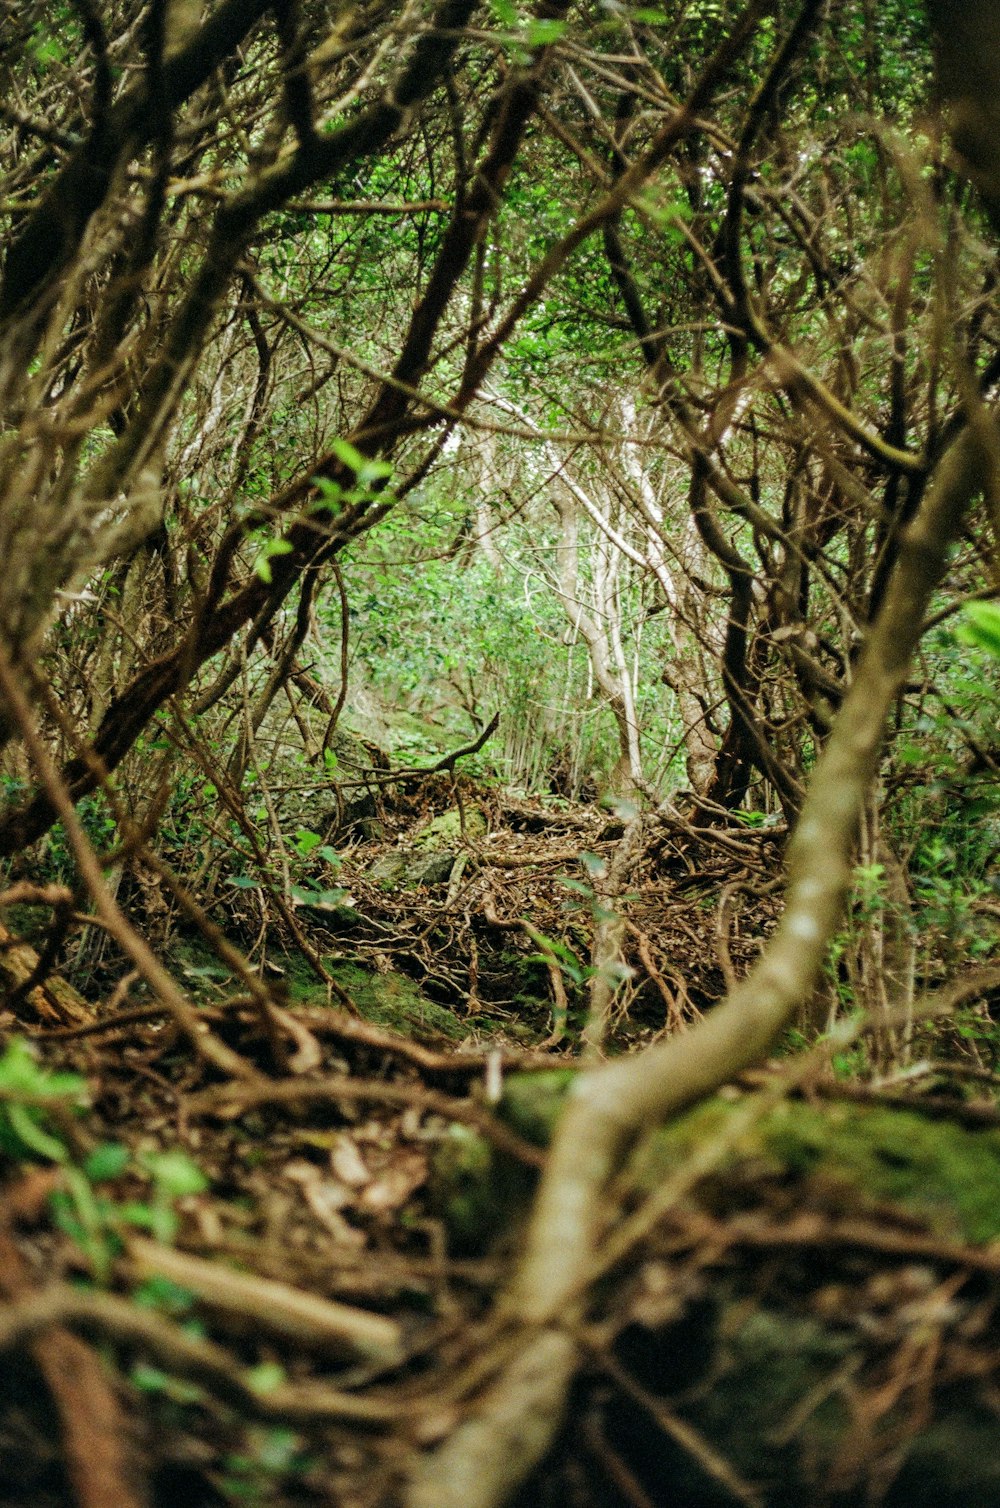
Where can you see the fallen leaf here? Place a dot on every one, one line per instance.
(393, 1187)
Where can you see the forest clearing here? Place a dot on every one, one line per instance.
(499, 804)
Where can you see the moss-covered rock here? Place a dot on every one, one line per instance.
(430, 853)
(389, 999)
(450, 829)
(532, 1102)
(835, 1374)
(859, 1157)
(795, 1405)
(475, 1191)
(392, 1000)
(835, 1156)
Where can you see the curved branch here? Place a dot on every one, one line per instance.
(793, 376)
(57, 225)
(612, 1106)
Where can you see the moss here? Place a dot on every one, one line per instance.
(446, 831)
(479, 1193)
(852, 1158)
(201, 972)
(944, 1173)
(391, 1000)
(768, 1363)
(785, 1384)
(532, 1102)
(428, 856)
(29, 924)
(467, 1190)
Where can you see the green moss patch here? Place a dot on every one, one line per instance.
(391, 1000)
(447, 830)
(844, 1158)
(945, 1174)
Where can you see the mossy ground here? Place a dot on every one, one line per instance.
(861, 1156)
(391, 999)
(843, 1158)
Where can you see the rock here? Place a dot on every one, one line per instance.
(430, 854)
(813, 1328)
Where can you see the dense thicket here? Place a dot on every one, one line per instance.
(626, 373)
(687, 302)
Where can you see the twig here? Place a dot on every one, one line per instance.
(205, 1043)
(345, 629)
(112, 1023)
(675, 1016)
(821, 1232)
(414, 772)
(715, 1466)
(93, 1429)
(203, 1362)
(937, 1106)
(346, 1028)
(302, 1319)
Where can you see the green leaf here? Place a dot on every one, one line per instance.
(617, 972)
(336, 896)
(174, 1173)
(624, 809)
(24, 1125)
(152, 1380)
(981, 626)
(348, 456)
(138, 1213)
(107, 1161)
(163, 1223)
(48, 50)
(20, 1072)
(158, 1292)
(149, 1379)
(374, 471)
(312, 895)
(266, 1377)
(65, 1218)
(89, 1220)
(331, 495)
(544, 32)
(272, 547)
(556, 952)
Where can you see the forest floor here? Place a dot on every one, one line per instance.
(291, 1269)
